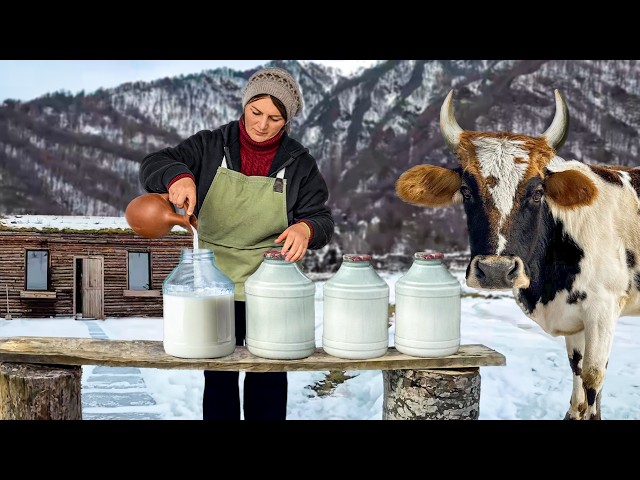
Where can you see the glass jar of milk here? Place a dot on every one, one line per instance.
(198, 308)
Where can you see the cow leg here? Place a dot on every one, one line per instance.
(575, 350)
(598, 340)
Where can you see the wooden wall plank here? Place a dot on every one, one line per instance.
(63, 247)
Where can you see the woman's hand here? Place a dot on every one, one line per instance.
(296, 241)
(183, 194)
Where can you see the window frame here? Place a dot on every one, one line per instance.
(26, 270)
(149, 271)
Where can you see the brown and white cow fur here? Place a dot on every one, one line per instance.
(564, 236)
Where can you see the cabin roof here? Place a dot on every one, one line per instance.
(69, 223)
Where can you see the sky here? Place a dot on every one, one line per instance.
(27, 79)
(535, 383)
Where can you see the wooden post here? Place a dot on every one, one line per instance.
(8, 315)
(40, 392)
(452, 394)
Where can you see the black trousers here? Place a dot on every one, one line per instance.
(265, 394)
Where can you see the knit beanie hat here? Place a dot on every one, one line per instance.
(279, 83)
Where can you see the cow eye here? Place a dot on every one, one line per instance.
(465, 192)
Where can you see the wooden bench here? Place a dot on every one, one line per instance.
(40, 377)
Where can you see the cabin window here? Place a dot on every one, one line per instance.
(139, 271)
(37, 269)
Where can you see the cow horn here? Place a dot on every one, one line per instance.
(448, 125)
(557, 132)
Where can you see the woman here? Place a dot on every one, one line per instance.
(251, 187)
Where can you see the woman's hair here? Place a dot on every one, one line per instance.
(276, 101)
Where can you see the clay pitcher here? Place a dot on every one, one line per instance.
(152, 215)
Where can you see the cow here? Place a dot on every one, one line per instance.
(562, 235)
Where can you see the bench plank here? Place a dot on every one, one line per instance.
(151, 354)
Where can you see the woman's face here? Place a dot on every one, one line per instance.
(262, 119)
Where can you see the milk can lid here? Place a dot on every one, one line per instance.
(355, 257)
(428, 255)
(273, 255)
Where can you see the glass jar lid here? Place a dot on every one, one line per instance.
(356, 257)
(428, 255)
(273, 255)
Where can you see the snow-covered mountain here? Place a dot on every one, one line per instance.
(79, 154)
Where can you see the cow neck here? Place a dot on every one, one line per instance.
(553, 265)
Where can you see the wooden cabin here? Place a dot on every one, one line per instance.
(83, 267)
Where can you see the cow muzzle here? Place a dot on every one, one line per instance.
(495, 272)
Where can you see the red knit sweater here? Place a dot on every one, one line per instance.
(256, 157)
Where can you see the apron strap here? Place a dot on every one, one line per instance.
(278, 184)
(224, 157)
(224, 165)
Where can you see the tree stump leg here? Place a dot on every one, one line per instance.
(431, 394)
(40, 392)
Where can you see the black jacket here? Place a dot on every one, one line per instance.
(202, 153)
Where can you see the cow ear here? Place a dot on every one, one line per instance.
(428, 186)
(570, 189)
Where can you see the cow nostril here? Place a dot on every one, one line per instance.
(480, 275)
(513, 273)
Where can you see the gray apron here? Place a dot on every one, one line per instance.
(240, 218)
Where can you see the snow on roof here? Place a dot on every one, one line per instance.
(69, 222)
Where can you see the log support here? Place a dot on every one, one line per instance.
(431, 394)
(40, 392)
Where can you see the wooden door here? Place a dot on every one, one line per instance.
(92, 288)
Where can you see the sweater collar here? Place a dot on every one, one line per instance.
(247, 142)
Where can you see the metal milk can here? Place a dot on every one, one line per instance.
(280, 307)
(356, 311)
(427, 319)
